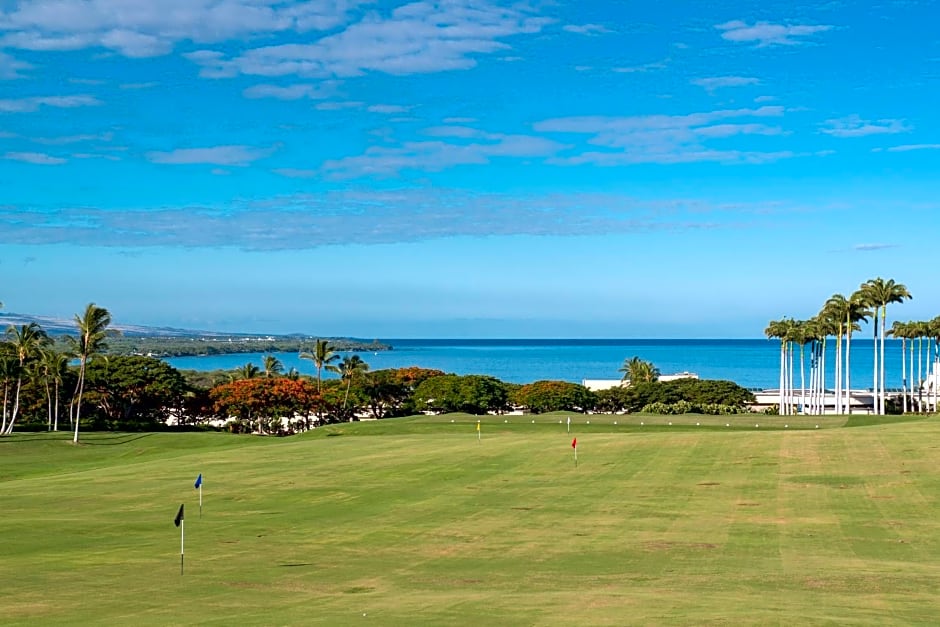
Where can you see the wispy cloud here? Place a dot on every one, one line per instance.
(666, 138)
(74, 139)
(142, 28)
(716, 82)
(388, 108)
(37, 158)
(10, 67)
(855, 126)
(364, 217)
(296, 173)
(435, 156)
(214, 155)
(873, 247)
(586, 29)
(420, 37)
(910, 147)
(297, 91)
(769, 34)
(29, 105)
(646, 67)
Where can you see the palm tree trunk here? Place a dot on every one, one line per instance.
(783, 374)
(55, 426)
(874, 390)
(837, 374)
(48, 407)
(920, 373)
(790, 380)
(802, 380)
(78, 398)
(848, 369)
(16, 406)
(904, 375)
(884, 392)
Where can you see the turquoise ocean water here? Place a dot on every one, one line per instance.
(751, 363)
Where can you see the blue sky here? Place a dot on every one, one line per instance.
(466, 168)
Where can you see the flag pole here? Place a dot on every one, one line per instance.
(569, 424)
(574, 445)
(200, 500)
(180, 522)
(479, 435)
(182, 543)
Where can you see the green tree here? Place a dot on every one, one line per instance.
(878, 294)
(247, 371)
(474, 394)
(636, 370)
(132, 392)
(351, 367)
(322, 357)
(26, 341)
(53, 368)
(545, 396)
(272, 366)
(91, 341)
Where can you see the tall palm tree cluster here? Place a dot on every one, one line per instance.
(28, 352)
(839, 318)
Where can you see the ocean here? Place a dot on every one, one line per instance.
(750, 363)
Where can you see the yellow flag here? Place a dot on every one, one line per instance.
(478, 426)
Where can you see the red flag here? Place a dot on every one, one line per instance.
(574, 443)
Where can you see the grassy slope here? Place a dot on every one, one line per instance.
(694, 525)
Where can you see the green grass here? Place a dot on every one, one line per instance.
(421, 523)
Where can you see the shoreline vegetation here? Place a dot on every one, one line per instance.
(162, 347)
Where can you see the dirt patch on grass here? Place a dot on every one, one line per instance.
(707, 483)
(748, 504)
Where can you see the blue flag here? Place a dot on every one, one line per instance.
(198, 481)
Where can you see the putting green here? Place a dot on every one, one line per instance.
(415, 521)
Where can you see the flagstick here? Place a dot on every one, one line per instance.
(479, 435)
(182, 537)
(576, 457)
(200, 500)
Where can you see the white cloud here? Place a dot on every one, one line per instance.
(667, 138)
(435, 156)
(646, 67)
(871, 247)
(855, 126)
(910, 147)
(387, 108)
(73, 139)
(214, 155)
(716, 82)
(296, 173)
(28, 105)
(296, 91)
(10, 68)
(144, 28)
(37, 158)
(768, 33)
(420, 37)
(339, 105)
(586, 29)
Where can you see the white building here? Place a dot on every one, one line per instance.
(596, 385)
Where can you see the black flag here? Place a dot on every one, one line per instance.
(179, 517)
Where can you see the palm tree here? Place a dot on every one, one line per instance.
(637, 370)
(9, 371)
(351, 366)
(322, 357)
(248, 371)
(53, 367)
(272, 366)
(780, 329)
(903, 331)
(26, 342)
(879, 294)
(91, 341)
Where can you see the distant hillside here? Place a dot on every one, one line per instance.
(59, 326)
(172, 342)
